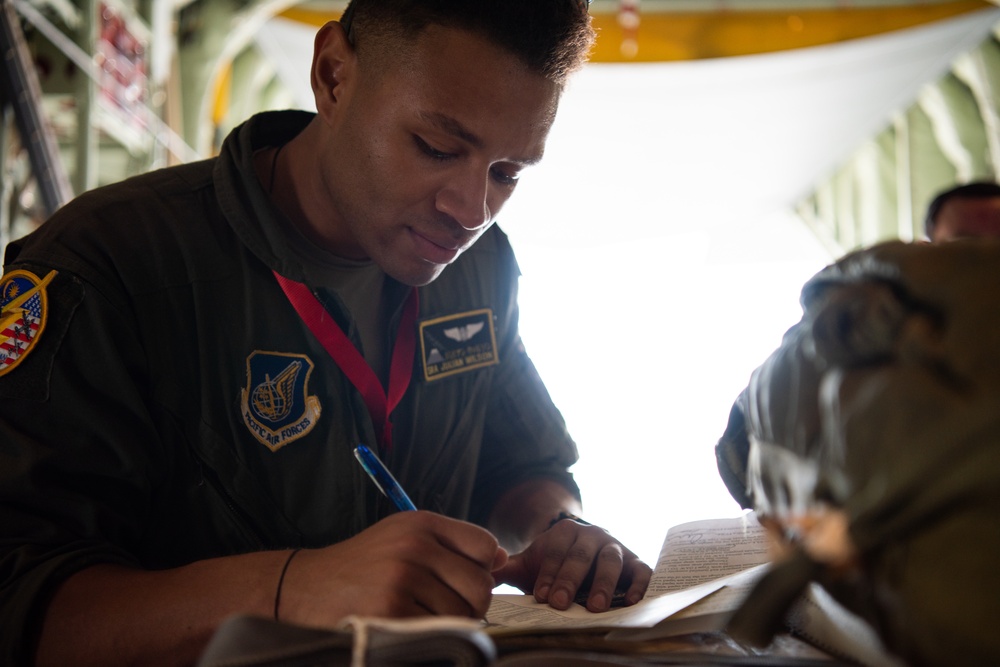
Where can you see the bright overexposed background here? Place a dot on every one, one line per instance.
(661, 259)
(644, 346)
(651, 288)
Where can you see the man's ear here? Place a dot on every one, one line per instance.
(333, 61)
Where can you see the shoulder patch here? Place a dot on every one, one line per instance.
(458, 343)
(23, 313)
(276, 404)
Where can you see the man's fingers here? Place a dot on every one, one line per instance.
(575, 559)
(440, 598)
(552, 550)
(641, 575)
(570, 558)
(460, 557)
(500, 560)
(411, 563)
(475, 543)
(607, 572)
(473, 584)
(594, 563)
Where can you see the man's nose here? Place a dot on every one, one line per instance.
(465, 199)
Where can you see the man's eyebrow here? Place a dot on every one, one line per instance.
(452, 126)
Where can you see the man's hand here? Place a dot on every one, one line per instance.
(569, 557)
(409, 564)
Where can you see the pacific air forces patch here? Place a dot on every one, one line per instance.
(276, 404)
(23, 313)
(458, 343)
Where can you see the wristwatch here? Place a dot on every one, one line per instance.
(563, 514)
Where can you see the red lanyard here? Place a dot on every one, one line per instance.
(339, 346)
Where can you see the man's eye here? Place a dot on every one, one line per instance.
(504, 177)
(430, 151)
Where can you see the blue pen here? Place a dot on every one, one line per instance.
(383, 479)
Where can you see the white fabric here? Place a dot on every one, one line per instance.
(723, 138)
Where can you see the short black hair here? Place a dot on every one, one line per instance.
(552, 37)
(975, 190)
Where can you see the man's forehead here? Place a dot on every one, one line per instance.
(964, 206)
(476, 91)
(962, 217)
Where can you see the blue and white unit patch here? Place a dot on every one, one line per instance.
(275, 403)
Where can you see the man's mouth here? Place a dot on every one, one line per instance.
(436, 250)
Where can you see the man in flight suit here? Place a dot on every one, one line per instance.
(190, 357)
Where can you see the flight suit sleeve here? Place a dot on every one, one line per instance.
(77, 452)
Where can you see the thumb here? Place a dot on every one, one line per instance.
(514, 572)
(500, 559)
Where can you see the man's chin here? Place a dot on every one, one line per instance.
(419, 276)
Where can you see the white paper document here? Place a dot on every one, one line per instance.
(714, 561)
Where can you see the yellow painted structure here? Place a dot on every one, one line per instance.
(693, 35)
(719, 34)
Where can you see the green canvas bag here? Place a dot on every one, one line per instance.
(881, 407)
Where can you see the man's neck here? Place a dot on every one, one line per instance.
(290, 176)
